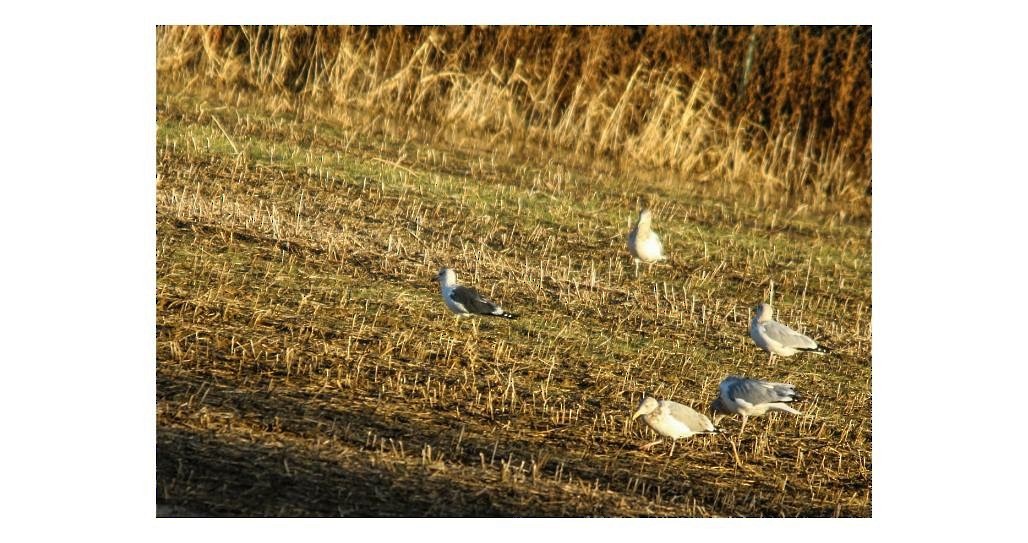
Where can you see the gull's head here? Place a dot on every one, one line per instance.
(763, 312)
(718, 408)
(647, 406)
(446, 277)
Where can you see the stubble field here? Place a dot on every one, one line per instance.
(307, 367)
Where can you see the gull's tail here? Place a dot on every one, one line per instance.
(820, 349)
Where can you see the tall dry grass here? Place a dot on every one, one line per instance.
(780, 107)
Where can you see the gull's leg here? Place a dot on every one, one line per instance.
(650, 445)
(637, 267)
(743, 424)
(673, 442)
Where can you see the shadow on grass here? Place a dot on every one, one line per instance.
(203, 472)
(208, 476)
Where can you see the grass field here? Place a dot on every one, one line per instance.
(307, 367)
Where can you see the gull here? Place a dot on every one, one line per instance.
(672, 419)
(752, 398)
(643, 243)
(465, 301)
(777, 338)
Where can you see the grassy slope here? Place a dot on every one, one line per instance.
(305, 365)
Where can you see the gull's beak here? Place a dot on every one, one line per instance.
(636, 415)
(435, 278)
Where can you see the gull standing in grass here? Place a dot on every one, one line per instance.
(465, 301)
(672, 419)
(777, 338)
(752, 398)
(643, 243)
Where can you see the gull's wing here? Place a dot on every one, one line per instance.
(473, 301)
(787, 336)
(697, 422)
(756, 392)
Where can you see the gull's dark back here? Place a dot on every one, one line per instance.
(475, 303)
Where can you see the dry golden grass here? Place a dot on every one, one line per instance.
(306, 366)
(783, 108)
